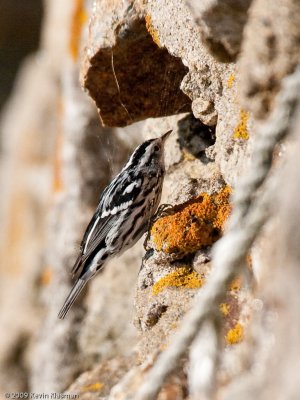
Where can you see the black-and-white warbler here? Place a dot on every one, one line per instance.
(125, 210)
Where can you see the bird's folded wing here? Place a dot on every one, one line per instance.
(117, 197)
(95, 234)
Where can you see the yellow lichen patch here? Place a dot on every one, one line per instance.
(224, 308)
(193, 225)
(93, 387)
(174, 326)
(79, 19)
(153, 32)
(182, 277)
(46, 276)
(241, 130)
(236, 284)
(235, 335)
(230, 81)
(187, 155)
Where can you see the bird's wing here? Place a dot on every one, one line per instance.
(116, 197)
(94, 235)
(121, 193)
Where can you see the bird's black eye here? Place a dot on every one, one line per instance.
(156, 148)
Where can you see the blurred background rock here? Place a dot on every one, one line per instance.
(49, 124)
(20, 27)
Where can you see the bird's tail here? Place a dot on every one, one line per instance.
(76, 289)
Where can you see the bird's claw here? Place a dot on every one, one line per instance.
(162, 211)
(145, 244)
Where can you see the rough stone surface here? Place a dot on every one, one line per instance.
(199, 68)
(221, 24)
(273, 334)
(99, 381)
(179, 33)
(106, 330)
(174, 388)
(273, 56)
(149, 71)
(211, 84)
(75, 198)
(285, 360)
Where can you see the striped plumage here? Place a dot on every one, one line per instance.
(125, 209)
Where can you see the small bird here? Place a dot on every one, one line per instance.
(125, 210)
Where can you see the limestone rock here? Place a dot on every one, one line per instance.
(207, 70)
(221, 24)
(174, 388)
(26, 181)
(126, 70)
(100, 380)
(265, 62)
(211, 84)
(107, 330)
(179, 33)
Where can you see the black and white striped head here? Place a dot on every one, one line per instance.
(149, 154)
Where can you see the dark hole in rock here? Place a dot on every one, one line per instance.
(155, 312)
(195, 137)
(215, 232)
(186, 260)
(149, 253)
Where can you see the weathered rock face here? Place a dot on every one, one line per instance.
(274, 55)
(16, 44)
(200, 70)
(26, 181)
(284, 249)
(121, 58)
(221, 24)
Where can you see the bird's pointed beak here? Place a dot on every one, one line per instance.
(166, 135)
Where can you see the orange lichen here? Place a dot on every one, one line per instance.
(235, 335)
(79, 19)
(46, 276)
(241, 131)
(93, 387)
(193, 225)
(230, 81)
(223, 208)
(183, 277)
(153, 32)
(224, 308)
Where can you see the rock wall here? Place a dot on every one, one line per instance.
(109, 75)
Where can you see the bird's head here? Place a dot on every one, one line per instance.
(150, 153)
